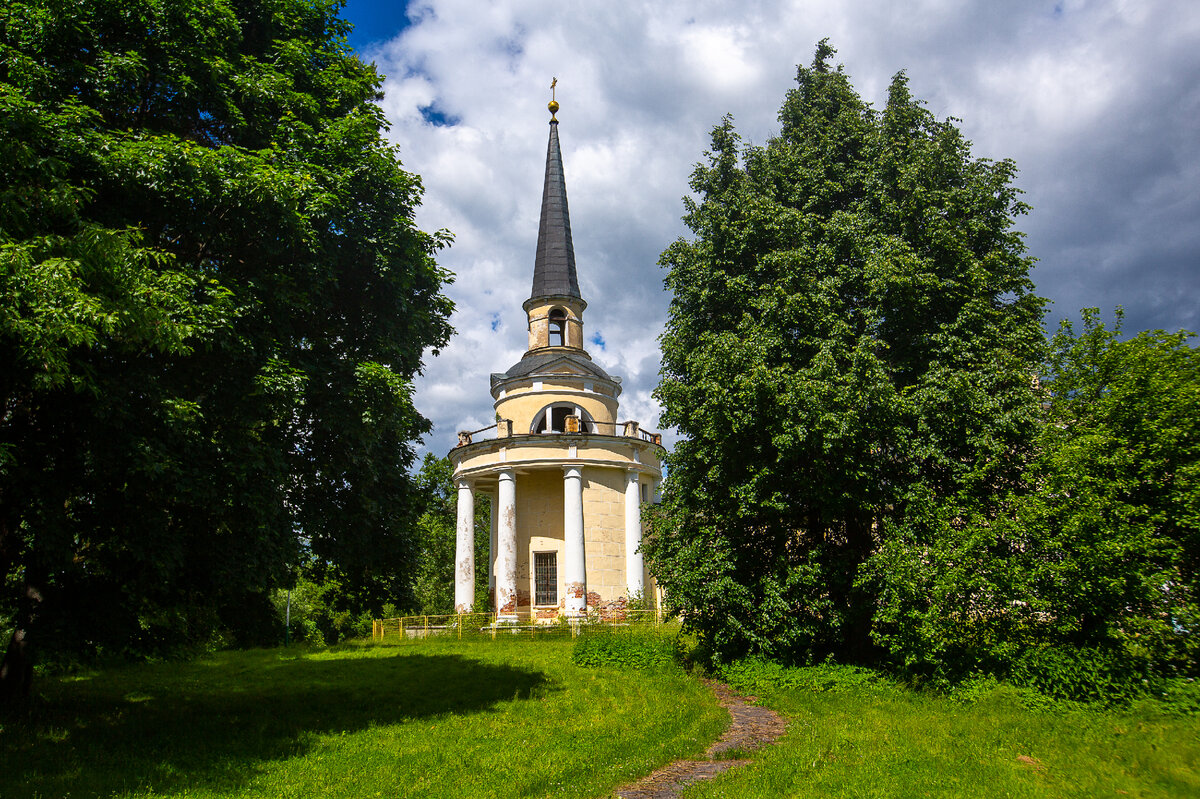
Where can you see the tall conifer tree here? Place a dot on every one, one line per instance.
(848, 360)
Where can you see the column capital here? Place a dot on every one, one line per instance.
(573, 471)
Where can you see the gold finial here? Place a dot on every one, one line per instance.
(553, 105)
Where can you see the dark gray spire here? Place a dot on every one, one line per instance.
(554, 264)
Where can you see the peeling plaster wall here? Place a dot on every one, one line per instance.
(521, 408)
(540, 529)
(554, 446)
(539, 503)
(539, 321)
(545, 543)
(565, 380)
(539, 522)
(604, 531)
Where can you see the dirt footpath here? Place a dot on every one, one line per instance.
(751, 727)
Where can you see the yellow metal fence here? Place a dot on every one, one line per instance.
(463, 625)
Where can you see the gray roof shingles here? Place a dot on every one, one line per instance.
(539, 363)
(554, 265)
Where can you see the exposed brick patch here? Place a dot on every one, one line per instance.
(751, 727)
(616, 610)
(593, 599)
(523, 598)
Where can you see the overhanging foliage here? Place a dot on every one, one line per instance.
(213, 300)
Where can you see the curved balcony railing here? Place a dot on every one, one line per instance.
(574, 427)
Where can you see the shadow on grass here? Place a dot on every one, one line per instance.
(210, 724)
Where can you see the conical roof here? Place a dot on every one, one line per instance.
(554, 265)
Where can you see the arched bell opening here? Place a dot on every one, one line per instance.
(553, 419)
(558, 328)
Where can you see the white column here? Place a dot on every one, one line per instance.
(634, 565)
(506, 540)
(575, 568)
(464, 550)
(494, 517)
(656, 498)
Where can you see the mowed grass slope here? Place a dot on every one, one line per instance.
(889, 742)
(486, 718)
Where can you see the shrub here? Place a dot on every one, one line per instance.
(315, 616)
(754, 675)
(1179, 696)
(643, 650)
(1084, 674)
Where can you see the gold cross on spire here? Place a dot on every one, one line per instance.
(553, 105)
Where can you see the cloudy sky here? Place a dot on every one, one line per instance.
(1097, 102)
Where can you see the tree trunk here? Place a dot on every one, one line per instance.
(16, 671)
(856, 640)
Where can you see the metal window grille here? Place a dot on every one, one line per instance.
(545, 578)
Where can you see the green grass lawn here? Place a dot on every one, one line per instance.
(439, 718)
(514, 717)
(894, 743)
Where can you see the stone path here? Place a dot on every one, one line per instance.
(751, 727)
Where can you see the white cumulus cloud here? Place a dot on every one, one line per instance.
(1097, 101)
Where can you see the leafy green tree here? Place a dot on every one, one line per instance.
(316, 615)
(1114, 530)
(1088, 565)
(433, 579)
(848, 358)
(212, 298)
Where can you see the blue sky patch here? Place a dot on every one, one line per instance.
(437, 117)
(375, 21)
